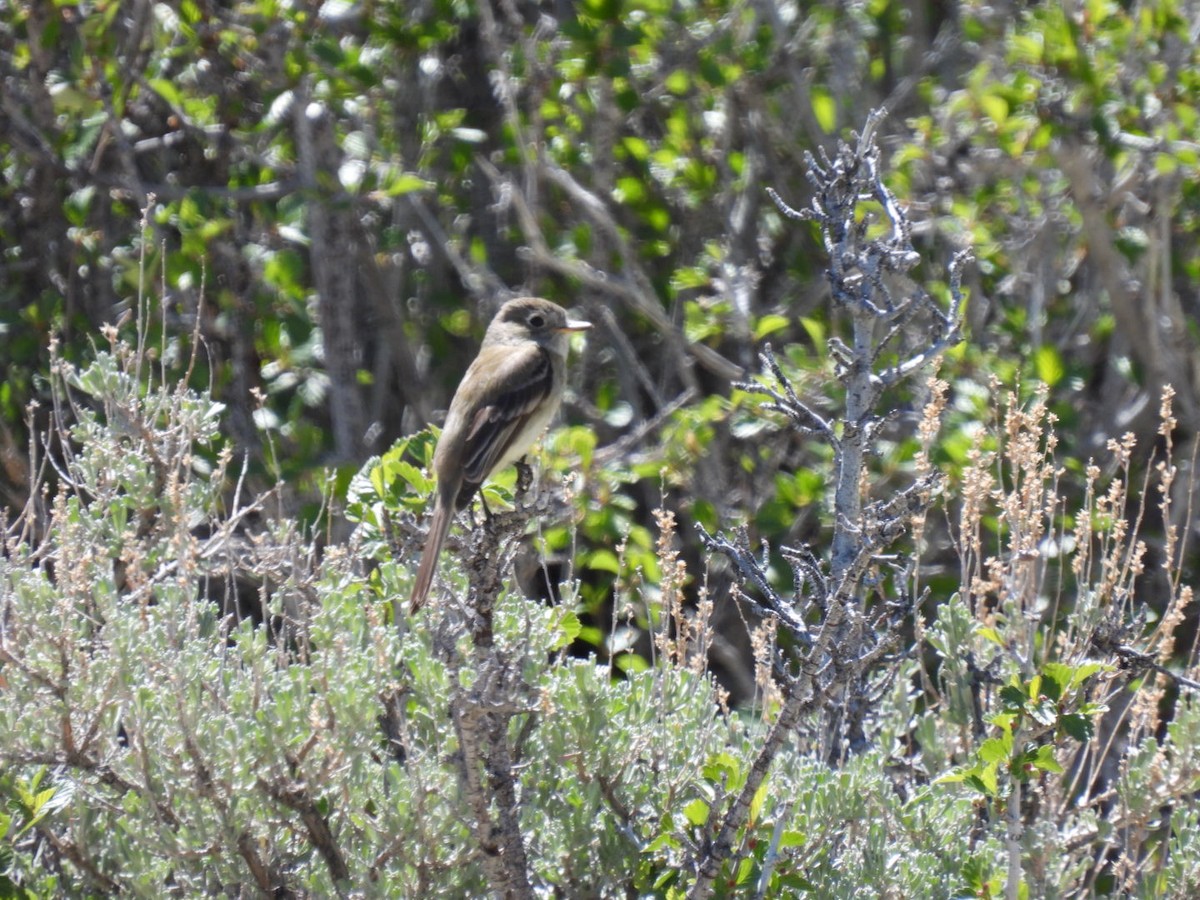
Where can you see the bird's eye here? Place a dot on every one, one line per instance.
(536, 321)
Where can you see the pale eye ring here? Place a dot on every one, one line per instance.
(536, 320)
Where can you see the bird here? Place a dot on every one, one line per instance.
(504, 402)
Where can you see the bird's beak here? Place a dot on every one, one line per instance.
(576, 325)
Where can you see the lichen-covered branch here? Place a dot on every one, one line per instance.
(840, 660)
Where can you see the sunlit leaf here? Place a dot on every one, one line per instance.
(824, 108)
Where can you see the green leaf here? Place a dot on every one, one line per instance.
(1082, 673)
(678, 82)
(1133, 242)
(1044, 759)
(1056, 680)
(629, 190)
(824, 108)
(167, 90)
(991, 634)
(1044, 712)
(696, 812)
(745, 870)
(1004, 720)
(604, 560)
(327, 51)
(984, 780)
(723, 767)
(1049, 365)
(39, 800)
(1081, 728)
(191, 12)
(994, 107)
(1014, 697)
(955, 776)
(630, 663)
(815, 330)
(769, 324)
(636, 147)
(665, 841)
(413, 477)
(756, 803)
(687, 277)
(406, 183)
(568, 627)
(996, 750)
(604, 10)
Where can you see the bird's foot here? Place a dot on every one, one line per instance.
(524, 477)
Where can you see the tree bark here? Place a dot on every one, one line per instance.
(332, 255)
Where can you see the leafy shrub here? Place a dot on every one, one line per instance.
(198, 699)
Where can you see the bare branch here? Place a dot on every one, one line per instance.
(841, 657)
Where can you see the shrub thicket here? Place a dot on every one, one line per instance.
(198, 699)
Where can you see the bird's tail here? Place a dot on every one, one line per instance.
(443, 513)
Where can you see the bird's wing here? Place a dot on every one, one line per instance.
(522, 379)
